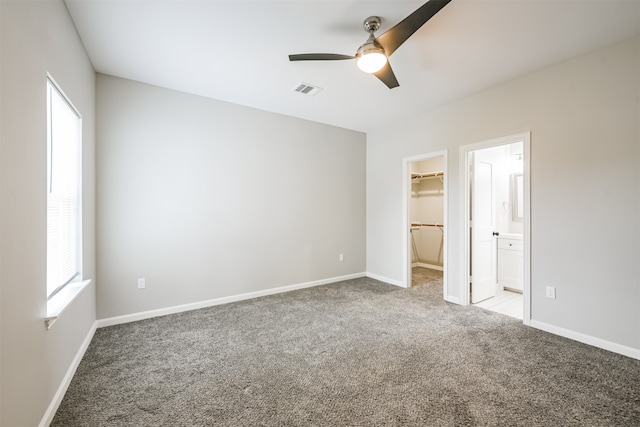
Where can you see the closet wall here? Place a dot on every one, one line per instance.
(427, 213)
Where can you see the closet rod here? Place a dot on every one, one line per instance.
(418, 224)
(418, 175)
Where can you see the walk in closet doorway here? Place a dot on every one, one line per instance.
(425, 201)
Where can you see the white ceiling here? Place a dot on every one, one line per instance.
(236, 50)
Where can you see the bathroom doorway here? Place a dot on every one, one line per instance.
(425, 198)
(496, 206)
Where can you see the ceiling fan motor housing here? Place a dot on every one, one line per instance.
(370, 46)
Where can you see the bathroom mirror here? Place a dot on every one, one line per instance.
(517, 196)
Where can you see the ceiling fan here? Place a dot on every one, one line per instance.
(372, 56)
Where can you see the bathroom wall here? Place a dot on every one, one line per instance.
(505, 164)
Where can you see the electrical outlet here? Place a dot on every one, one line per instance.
(341, 257)
(551, 292)
(141, 283)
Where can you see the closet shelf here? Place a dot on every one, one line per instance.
(427, 175)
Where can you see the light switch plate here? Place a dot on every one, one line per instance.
(551, 292)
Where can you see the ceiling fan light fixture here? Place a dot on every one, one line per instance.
(371, 57)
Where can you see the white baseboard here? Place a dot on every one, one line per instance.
(385, 279)
(587, 339)
(453, 300)
(110, 321)
(430, 266)
(64, 385)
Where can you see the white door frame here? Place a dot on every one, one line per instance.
(464, 193)
(406, 220)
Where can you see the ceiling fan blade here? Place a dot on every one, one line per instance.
(387, 77)
(319, 57)
(394, 37)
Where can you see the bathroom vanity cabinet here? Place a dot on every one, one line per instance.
(510, 262)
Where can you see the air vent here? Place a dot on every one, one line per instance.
(307, 89)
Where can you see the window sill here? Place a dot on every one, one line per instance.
(57, 304)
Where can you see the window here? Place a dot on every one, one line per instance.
(64, 185)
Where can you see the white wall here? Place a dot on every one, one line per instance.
(207, 199)
(583, 115)
(38, 37)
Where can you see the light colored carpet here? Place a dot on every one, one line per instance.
(355, 353)
(425, 276)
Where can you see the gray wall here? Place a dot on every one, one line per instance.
(207, 199)
(584, 120)
(38, 37)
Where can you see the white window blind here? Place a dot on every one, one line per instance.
(64, 213)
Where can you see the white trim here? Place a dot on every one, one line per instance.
(587, 339)
(57, 304)
(425, 265)
(386, 279)
(55, 84)
(110, 321)
(526, 291)
(406, 221)
(66, 381)
(464, 203)
(453, 300)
